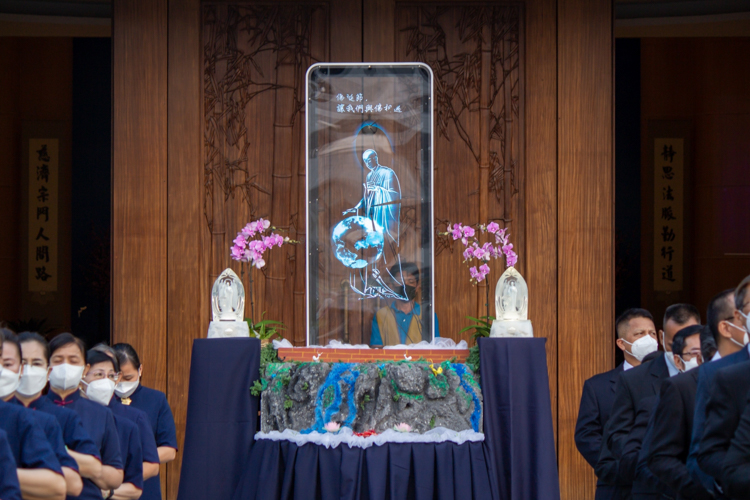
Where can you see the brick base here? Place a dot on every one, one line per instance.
(370, 355)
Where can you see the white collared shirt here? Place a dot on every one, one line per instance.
(626, 366)
(717, 356)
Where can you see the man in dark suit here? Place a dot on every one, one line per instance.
(724, 321)
(666, 446)
(723, 411)
(736, 475)
(639, 383)
(599, 390)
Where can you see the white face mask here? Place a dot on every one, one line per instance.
(100, 391)
(125, 389)
(8, 382)
(689, 365)
(745, 338)
(642, 347)
(65, 377)
(33, 380)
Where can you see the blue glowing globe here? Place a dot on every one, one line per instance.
(357, 241)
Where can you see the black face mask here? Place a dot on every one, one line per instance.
(409, 291)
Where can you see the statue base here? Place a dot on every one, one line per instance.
(509, 328)
(228, 329)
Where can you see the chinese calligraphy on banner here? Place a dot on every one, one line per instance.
(43, 205)
(668, 214)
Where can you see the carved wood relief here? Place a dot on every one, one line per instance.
(476, 54)
(254, 61)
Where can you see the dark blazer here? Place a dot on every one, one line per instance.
(667, 451)
(646, 486)
(632, 386)
(706, 374)
(593, 413)
(736, 477)
(723, 411)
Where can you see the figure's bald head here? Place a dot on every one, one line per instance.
(370, 157)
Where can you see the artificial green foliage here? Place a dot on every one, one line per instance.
(481, 327)
(328, 397)
(258, 387)
(432, 422)
(288, 403)
(305, 386)
(266, 328)
(267, 356)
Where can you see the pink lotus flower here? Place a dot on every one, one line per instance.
(493, 227)
(332, 427)
(402, 427)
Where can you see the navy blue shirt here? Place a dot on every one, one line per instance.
(75, 436)
(132, 453)
(26, 439)
(154, 404)
(139, 418)
(53, 433)
(100, 425)
(9, 487)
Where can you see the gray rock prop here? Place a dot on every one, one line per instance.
(373, 396)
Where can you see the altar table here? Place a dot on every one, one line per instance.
(221, 461)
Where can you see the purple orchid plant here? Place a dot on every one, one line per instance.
(478, 255)
(247, 248)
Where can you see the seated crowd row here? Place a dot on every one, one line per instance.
(96, 432)
(673, 424)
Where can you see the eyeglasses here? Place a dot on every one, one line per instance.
(98, 374)
(687, 356)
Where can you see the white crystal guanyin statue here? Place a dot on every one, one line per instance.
(228, 306)
(511, 306)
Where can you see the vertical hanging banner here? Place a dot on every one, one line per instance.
(669, 201)
(44, 162)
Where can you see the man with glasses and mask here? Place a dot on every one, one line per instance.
(636, 338)
(667, 442)
(401, 321)
(727, 397)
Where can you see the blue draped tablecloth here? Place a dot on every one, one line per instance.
(516, 461)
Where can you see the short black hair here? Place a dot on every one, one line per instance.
(406, 268)
(740, 292)
(95, 356)
(109, 351)
(719, 309)
(25, 337)
(11, 338)
(127, 353)
(681, 314)
(680, 338)
(708, 343)
(65, 339)
(635, 312)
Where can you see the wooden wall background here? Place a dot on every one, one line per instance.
(208, 132)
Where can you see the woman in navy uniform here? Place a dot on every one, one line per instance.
(9, 488)
(67, 358)
(38, 470)
(35, 358)
(138, 417)
(154, 403)
(11, 359)
(100, 380)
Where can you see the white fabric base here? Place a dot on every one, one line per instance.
(346, 436)
(506, 328)
(228, 329)
(438, 343)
